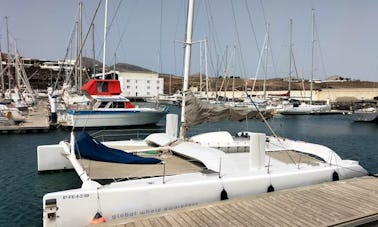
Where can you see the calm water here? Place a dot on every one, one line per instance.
(22, 188)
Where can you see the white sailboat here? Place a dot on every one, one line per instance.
(204, 168)
(300, 108)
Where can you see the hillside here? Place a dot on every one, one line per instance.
(271, 84)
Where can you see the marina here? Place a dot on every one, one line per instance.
(217, 148)
(352, 140)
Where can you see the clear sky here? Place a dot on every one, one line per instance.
(144, 33)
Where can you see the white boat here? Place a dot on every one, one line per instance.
(204, 168)
(369, 114)
(295, 107)
(302, 109)
(174, 99)
(106, 108)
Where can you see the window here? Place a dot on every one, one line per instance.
(157, 87)
(158, 82)
(102, 105)
(148, 87)
(148, 81)
(102, 87)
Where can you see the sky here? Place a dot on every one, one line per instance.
(149, 33)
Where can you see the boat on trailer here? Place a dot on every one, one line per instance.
(203, 168)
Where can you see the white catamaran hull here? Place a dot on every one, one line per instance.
(239, 174)
(129, 199)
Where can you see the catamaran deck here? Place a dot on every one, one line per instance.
(343, 203)
(173, 164)
(106, 170)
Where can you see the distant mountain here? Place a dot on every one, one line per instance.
(122, 67)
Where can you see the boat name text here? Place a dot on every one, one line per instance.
(76, 196)
(150, 211)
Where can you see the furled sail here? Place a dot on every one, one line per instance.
(198, 111)
(90, 148)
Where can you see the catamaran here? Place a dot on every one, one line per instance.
(183, 171)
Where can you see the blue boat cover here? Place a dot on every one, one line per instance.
(90, 148)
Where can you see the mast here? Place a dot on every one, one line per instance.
(2, 74)
(188, 46)
(104, 49)
(312, 53)
(290, 52)
(80, 80)
(207, 77)
(200, 72)
(8, 56)
(93, 49)
(266, 60)
(77, 57)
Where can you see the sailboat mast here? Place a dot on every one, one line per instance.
(104, 49)
(8, 57)
(266, 60)
(290, 52)
(207, 77)
(2, 74)
(312, 53)
(80, 80)
(188, 46)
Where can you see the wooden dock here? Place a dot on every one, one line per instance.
(343, 203)
(36, 121)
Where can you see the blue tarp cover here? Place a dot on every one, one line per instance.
(90, 148)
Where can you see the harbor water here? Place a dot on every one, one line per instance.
(22, 187)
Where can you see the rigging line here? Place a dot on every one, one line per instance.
(296, 72)
(113, 21)
(122, 35)
(272, 58)
(238, 38)
(213, 38)
(262, 117)
(160, 36)
(263, 11)
(64, 60)
(252, 27)
(114, 16)
(320, 49)
(86, 36)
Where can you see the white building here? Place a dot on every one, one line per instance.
(136, 82)
(141, 84)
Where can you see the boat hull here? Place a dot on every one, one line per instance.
(110, 118)
(129, 199)
(366, 116)
(305, 109)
